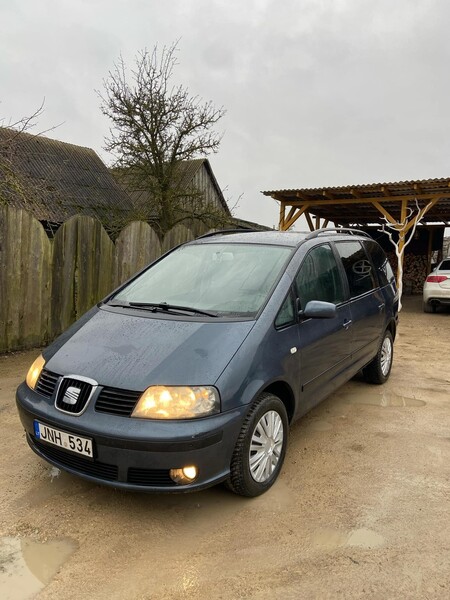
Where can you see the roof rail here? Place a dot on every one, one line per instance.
(226, 231)
(347, 230)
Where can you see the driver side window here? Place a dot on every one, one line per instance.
(319, 277)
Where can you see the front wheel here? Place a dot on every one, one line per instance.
(260, 449)
(379, 369)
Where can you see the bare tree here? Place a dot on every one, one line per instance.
(400, 235)
(11, 182)
(155, 127)
(13, 185)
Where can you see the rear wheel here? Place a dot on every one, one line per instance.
(260, 449)
(379, 369)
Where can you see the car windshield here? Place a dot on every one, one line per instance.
(225, 279)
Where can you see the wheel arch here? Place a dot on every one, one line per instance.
(284, 392)
(392, 328)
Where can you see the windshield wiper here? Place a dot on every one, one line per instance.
(164, 307)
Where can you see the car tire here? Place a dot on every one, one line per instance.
(379, 369)
(260, 448)
(428, 308)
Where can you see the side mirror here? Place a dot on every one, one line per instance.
(316, 309)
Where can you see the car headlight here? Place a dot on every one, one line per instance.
(34, 371)
(177, 402)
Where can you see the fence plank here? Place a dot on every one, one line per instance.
(45, 285)
(63, 276)
(136, 246)
(94, 270)
(25, 284)
(177, 235)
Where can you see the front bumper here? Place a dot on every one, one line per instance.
(135, 454)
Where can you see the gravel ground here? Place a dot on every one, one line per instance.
(361, 509)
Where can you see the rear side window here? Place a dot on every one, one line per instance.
(381, 263)
(319, 277)
(358, 268)
(445, 265)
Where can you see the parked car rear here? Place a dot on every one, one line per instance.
(436, 290)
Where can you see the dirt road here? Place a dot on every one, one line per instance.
(361, 510)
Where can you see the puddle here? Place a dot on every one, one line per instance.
(27, 566)
(319, 426)
(330, 539)
(379, 397)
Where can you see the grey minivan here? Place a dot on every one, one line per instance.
(191, 372)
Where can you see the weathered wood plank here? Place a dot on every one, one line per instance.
(177, 235)
(25, 257)
(136, 246)
(63, 276)
(94, 264)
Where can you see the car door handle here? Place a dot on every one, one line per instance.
(381, 307)
(346, 324)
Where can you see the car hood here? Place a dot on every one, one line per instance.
(132, 352)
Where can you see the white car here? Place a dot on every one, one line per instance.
(436, 290)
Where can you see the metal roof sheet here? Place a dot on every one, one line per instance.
(353, 204)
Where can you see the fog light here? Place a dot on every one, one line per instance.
(184, 475)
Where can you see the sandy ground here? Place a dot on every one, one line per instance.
(361, 509)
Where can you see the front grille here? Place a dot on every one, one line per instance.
(80, 397)
(149, 477)
(47, 383)
(78, 463)
(117, 402)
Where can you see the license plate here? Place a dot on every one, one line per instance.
(62, 439)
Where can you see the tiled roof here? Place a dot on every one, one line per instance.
(61, 179)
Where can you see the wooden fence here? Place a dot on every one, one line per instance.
(45, 285)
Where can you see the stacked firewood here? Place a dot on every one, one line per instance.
(446, 247)
(415, 271)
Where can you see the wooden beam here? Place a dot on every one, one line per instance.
(366, 200)
(309, 220)
(282, 212)
(278, 197)
(290, 213)
(317, 222)
(420, 215)
(289, 222)
(384, 212)
(325, 224)
(303, 197)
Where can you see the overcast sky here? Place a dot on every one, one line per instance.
(317, 92)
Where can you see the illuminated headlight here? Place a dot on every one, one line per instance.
(177, 402)
(34, 371)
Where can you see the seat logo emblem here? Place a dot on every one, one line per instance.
(71, 395)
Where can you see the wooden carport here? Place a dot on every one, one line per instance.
(371, 204)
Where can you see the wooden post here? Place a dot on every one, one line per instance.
(282, 209)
